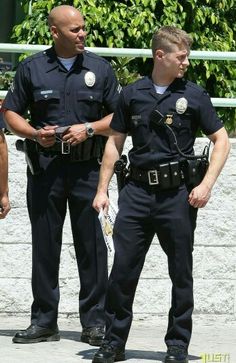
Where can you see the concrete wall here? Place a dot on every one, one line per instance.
(214, 255)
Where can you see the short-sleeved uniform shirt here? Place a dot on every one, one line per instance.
(191, 110)
(53, 95)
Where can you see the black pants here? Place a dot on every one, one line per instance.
(142, 213)
(48, 194)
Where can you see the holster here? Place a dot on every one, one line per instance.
(121, 172)
(29, 148)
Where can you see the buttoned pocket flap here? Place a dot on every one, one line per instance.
(45, 95)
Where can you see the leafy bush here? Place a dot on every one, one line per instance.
(131, 23)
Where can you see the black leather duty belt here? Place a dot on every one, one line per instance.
(150, 177)
(89, 149)
(59, 148)
(167, 176)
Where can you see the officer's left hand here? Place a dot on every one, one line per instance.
(199, 196)
(76, 134)
(4, 206)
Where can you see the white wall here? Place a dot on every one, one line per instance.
(214, 255)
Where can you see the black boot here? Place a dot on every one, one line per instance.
(93, 335)
(176, 354)
(109, 354)
(36, 334)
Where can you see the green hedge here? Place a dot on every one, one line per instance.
(130, 24)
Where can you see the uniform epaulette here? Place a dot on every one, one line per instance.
(30, 58)
(95, 56)
(195, 86)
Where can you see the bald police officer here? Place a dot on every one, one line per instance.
(71, 95)
(162, 113)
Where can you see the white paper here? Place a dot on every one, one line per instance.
(107, 223)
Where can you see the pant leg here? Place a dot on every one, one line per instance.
(90, 248)
(46, 201)
(175, 227)
(132, 237)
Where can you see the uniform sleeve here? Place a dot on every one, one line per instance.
(18, 96)
(2, 124)
(120, 121)
(111, 91)
(208, 119)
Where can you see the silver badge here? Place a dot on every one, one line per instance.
(181, 105)
(89, 79)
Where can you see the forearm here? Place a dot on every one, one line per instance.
(101, 127)
(19, 126)
(3, 166)
(218, 158)
(111, 155)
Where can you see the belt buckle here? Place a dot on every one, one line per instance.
(65, 147)
(153, 177)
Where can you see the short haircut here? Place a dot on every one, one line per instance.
(167, 36)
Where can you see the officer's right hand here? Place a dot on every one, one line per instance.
(101, 201)
(46, 136)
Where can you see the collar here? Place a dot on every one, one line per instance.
(82, 61)
(177, 86)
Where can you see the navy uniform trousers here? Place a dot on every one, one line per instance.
(142, 213)
(47, 197)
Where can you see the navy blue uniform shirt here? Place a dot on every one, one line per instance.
(56, 96)
(150, 148)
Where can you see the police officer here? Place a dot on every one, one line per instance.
(71, 94)
(159, 198)
(4, 199)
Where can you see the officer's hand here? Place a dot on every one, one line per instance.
(46, 136)
(76, 134)
(101, 201)
(4, 206)
(199, 196)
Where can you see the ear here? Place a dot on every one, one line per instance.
(54, 32)
(159, 54)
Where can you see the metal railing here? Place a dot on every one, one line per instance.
(130, 52)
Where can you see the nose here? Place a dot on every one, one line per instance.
(186, 61)
(82, 33)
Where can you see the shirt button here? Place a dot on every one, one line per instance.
(91, 97)
(68, 93)
(45, 96)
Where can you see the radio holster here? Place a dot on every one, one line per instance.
(194, 171)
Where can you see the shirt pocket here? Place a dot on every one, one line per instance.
(89, 105)
(139, 130)
(182, 127)
(46, 105)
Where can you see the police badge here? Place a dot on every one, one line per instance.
(181, 105)
(89, 79)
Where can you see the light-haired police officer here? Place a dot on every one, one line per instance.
(163, 193)
(71, 95)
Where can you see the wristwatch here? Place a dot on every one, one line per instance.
(89, 129)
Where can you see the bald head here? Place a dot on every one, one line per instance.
(60, 15)
(68, 30)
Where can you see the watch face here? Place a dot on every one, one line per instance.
(90, 131)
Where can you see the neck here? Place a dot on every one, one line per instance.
(161, 79)
(63, 53)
